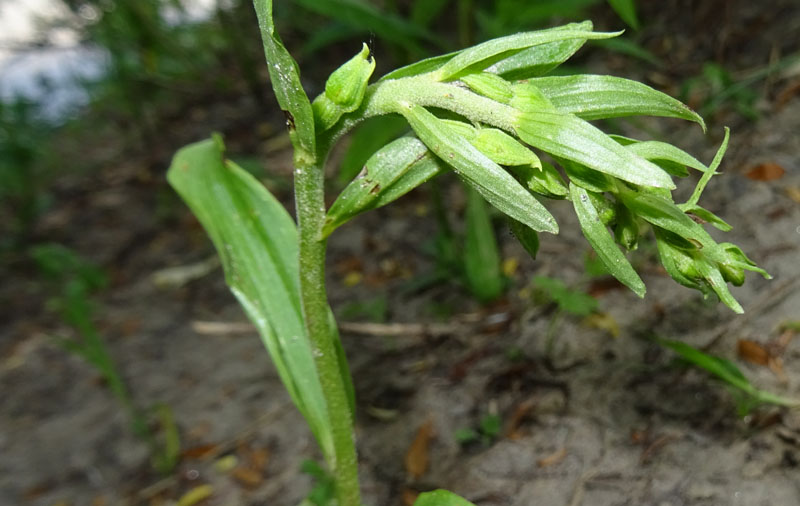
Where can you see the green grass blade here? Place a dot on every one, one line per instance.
(285, 77)
(441, 498)
(365, 16)
(626, 10)
(485, 55)
(603, 242)
(390, 173)
(492, 181)
(726, 371)
(481, 255)
(257, 242)
(592, 97)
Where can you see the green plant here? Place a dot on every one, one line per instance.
(469, 117)
(746, 395)
(77, 280)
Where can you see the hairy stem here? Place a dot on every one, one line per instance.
(309, 197)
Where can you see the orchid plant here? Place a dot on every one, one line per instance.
(488, 114)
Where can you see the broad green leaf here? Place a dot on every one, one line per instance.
(626, 9)
(526, 236)
(602, 242)
(391, 172)
(441, 498)
(257, 242)
(285, 77)
(726, 371)
(495, 184)
(598, 97)
(566, 136)
(541, 59)
(485, 55)
(368, 138)
(481, 256)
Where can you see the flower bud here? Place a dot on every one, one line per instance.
(626, 228)
(503, 149)
(732, 274)
(545, 181)
(347, 84)
(490, 86)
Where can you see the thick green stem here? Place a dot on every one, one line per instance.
(309, 197)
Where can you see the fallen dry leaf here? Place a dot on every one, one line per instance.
(247, 477)
(793, 192)
(409, 497)
(199, 452)
(552, 459)
(603, 321)
(196, 495)
(521, 412)
(752, 352)
(767, 171)
(417, 457)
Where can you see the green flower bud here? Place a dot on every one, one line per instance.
(347, 84)
(605, 209)
(503, 149)
(626, 228)
(545, 181)
(490, 86)
(731, 274)
(344, 90)
(528, 97)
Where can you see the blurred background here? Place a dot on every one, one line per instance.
(105, 271)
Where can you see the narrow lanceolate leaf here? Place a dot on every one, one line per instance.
(597, 97)
(603, 243)
(420, 67)
(485, 55)
(481, 255)
(541, 59)
(257, 242)
(567, 136)
(390, 173)
(656, 150)
(285, 77)
(665, 214)
(441, 498)
(492, 181)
